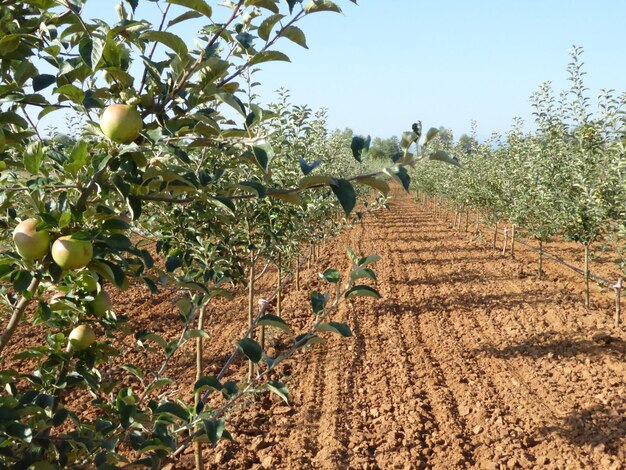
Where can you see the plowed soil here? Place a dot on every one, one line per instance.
(467, 361)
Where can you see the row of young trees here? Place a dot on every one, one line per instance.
(565, 178)
(175, 148)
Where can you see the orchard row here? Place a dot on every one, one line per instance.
(566, 178)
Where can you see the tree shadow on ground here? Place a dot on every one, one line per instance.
(597, 425)
(550, 343)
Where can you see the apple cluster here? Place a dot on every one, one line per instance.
(69, 254)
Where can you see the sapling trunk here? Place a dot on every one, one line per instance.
(477, 222)
(251, 312)
(279, 293)
(495, 236)
(587, 302)
(513, 241)
(199, 368)
(298, 272)
(18, 313)
(540, 270)
(467, 219)
(618, 303)
(506, 240)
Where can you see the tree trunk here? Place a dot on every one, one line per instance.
(618, 303)
(279, 293)
(540, 270)
(251, 313)
(587, 302)
(495, 236)
(513, 241)
(506, 239)
(298, 273)
(199, 369)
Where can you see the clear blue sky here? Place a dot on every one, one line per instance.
(386, 63)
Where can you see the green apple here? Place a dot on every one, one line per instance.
(101, 304)
(88, 281)
(70, 253)
(29, 243)
(121, 123)
(82, 337)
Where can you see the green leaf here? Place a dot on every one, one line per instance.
(269, 56)
(207, 382)
(188, 15)
(134, 205)
(265, 29)
(33, 156)
(274, 321)
(400, 174)
(263, 154)
(254, 187)
(189, 334)
(307, 339)
(315, 180)
(279, 389)
(21, 280)
(362, 291)
(360, 273)
(344, 191)
(318, 302)
(72, 92)
(295, 34)
(353, 257)
(332, 275)
(430, 135)
(162, 382)
(251, 349)
(170, 40)
(360, 145)
(198, 5)
(369, 260)
(306, 168)
(91, 51)
(9, 43)
(153, 337)
(335, 327)
(214, 430)
(315, 6)
(442, 156)
(43, 81)
(78, 158)
(375, 183)
(172, 263)
(408, 138)
(19, 431)
(173, 409)
(134, 370)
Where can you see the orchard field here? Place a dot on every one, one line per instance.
(194, 277)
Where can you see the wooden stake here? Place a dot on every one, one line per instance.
(506, 239)
(495, 236)
(513, 241)
(298, 272)
(618, 304)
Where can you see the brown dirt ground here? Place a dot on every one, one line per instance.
(466, 362)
